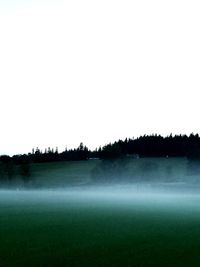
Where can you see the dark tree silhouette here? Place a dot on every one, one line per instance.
(144, 146)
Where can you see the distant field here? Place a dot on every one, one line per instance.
(76, 173)
(93, 171)
(98, 229)
(62, 173)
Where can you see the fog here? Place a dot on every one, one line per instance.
(79, 208)
(114, 181)
(118, 197)
(100, 172)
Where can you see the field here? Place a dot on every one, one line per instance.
(59, 174)
(76, 173)
(87, 214)
(103, 227)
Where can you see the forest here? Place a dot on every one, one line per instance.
(143, 146)
(113, 156)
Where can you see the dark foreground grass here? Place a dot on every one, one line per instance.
(37, 229)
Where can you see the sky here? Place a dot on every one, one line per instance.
(97, 71)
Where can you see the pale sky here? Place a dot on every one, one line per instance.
(96, 71)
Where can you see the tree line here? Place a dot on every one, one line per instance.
(143, 146)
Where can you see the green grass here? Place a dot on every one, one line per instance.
(37, 229)
(62, 173)
(73, 173)
(83, 172)
(57, 229)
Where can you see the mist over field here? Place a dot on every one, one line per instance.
(151, 172)
(99, 226)
(125, 212)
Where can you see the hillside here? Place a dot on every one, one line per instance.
(95, 171)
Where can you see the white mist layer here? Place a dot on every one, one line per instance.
(116, 197)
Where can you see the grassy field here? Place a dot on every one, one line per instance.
(79, 222)
(75, 228)
(75, 173)
(61, 174)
